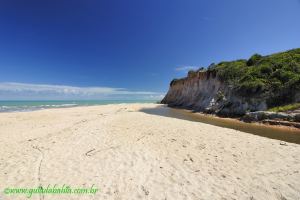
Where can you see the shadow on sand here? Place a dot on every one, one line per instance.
(274, 132)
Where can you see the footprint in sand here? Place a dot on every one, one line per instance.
(145, 190)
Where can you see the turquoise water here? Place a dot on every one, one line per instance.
(25, 106)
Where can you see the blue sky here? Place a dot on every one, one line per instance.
(136, 45)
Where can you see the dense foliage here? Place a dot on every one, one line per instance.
(275, 77)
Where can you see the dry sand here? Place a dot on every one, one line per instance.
(129, 154)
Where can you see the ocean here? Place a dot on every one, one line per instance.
(26, 106)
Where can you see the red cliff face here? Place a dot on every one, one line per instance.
(203, 91)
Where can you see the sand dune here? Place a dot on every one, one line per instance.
(128, 154)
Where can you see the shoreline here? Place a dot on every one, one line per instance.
(58, 106)
(32, 105)
(187, 111)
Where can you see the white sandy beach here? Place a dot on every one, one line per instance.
(129, 155)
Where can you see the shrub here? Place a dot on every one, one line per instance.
(285, 107)
(276, 77)
(254, 60)
(252, 87)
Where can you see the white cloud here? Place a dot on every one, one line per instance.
(186, 68)
(11, 90)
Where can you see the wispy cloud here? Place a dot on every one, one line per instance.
(12, 90)
(186, 68)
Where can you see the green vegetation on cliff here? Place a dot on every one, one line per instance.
(275, 77)
(285, 107)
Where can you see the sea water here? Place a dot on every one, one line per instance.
(24, 106)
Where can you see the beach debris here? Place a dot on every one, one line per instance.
(32, 139)
(93, 152)
(88, 153)
(283, 143)
(141, 137)
(189, 156)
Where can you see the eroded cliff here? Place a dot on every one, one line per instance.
(204, 91)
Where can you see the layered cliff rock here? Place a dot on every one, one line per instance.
(237, 87)
(204, 91)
